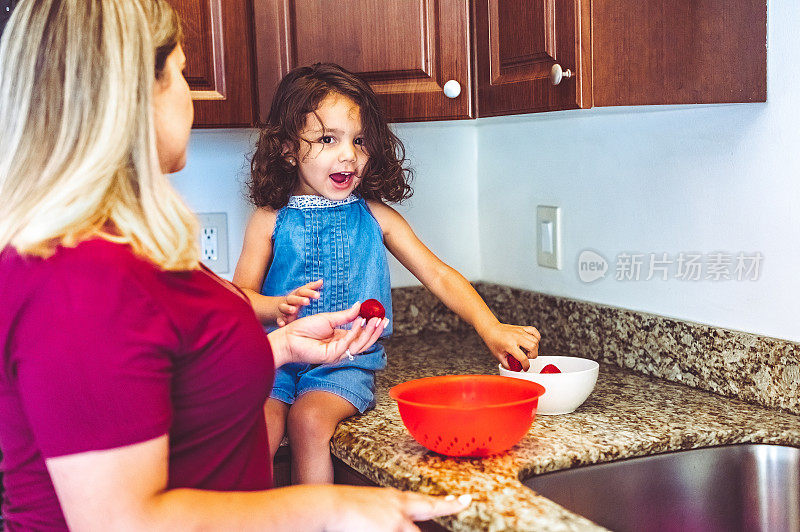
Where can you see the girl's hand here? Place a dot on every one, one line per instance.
(370, 509)
(298, 298)
(519, 341)
(317, 340)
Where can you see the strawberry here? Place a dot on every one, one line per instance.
(550, 368)
(372, 308)
(513, 363)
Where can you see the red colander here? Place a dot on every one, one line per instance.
(467, 415)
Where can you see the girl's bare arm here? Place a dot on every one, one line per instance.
(453, 289)
(254, 261)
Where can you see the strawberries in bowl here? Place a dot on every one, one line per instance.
(550, 368)
(513, 363)
(568, 381)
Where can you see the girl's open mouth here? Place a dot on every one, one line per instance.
(342, 178)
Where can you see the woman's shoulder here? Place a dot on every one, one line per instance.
(89, 258)
(95, 276)
(98, 262)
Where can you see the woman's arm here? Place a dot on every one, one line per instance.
(252, 268)
(125, 489)
(453, 289)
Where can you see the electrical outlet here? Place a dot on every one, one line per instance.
(548, 229)
(210, 244)
(214, 240)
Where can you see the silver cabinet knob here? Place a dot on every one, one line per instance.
(557, 74)
(452, 89)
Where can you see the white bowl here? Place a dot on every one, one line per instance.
(565, 391)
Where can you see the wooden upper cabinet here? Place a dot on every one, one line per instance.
(518, 43)
(680, 51)
(621, 52)
(406, 49)
(219, 60)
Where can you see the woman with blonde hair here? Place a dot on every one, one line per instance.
(133, 380)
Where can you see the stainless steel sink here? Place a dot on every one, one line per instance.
(746, 487)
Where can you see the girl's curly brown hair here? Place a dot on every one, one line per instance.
(273, 178)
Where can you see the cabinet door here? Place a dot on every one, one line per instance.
(219, 60)
(679, 52)
(518, 43)
(406, 49)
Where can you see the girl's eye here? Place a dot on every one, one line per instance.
(359, 142)
(327, 139)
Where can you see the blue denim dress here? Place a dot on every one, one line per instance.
(341, 243)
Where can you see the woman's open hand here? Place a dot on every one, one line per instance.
(317, 339)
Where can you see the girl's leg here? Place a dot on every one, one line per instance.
(276, 412)
(312, 420)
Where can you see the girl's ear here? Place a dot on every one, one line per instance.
(286, 153)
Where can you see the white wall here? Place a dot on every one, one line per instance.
(443, 209)
(657, 179)
(214, 180)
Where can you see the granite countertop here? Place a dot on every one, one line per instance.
(627, 415)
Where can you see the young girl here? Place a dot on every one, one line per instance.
(325, 164)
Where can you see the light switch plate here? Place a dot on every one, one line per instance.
(214, 240)
(548, 236)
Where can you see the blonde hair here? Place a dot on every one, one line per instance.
(78, 154)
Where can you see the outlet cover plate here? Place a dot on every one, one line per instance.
(214, 240)
(548, 236)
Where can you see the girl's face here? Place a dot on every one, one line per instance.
(333, 156)
(173, 113)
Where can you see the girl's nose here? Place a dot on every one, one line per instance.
(347, 152)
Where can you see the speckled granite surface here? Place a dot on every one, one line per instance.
(754, 368)
(627, 415)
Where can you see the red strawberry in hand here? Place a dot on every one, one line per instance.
(550, 368)
(513, 363)
(372, 308)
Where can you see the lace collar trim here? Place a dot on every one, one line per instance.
(318, 202)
